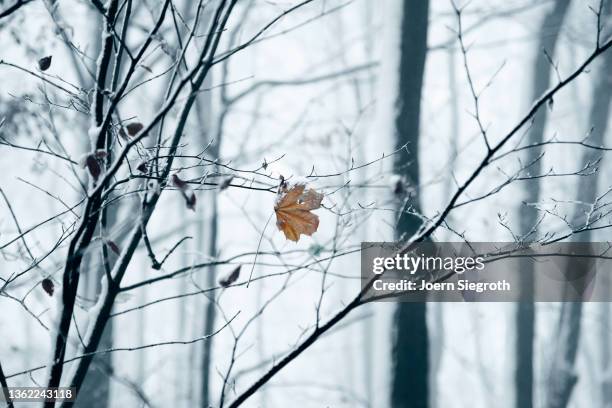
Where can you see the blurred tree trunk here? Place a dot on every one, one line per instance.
(369, 91)
(454, 133)
(210, 311)
(95, 391)
(213, 236)
(436, 343)
(525, 316)
(605, 370)
(199, 361)
(563, 374)
(410, 343)
(215, 138)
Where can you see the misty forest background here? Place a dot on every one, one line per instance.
(140, 260)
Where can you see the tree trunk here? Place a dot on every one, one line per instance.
(210, 311)
(95, 391)
(563, 374)
(525, 317)
(410, 343)
(368, 327)
(605, 393)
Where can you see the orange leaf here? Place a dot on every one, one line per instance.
(292, 209)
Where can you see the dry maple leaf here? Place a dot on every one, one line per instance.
(292, 209)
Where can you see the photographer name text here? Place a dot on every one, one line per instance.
(406, 285)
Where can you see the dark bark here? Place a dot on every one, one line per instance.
(410, 374)
(95, 390)
(222, 14)
(83, 236)
(5, 391)
(525, 317)
(13, 8)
